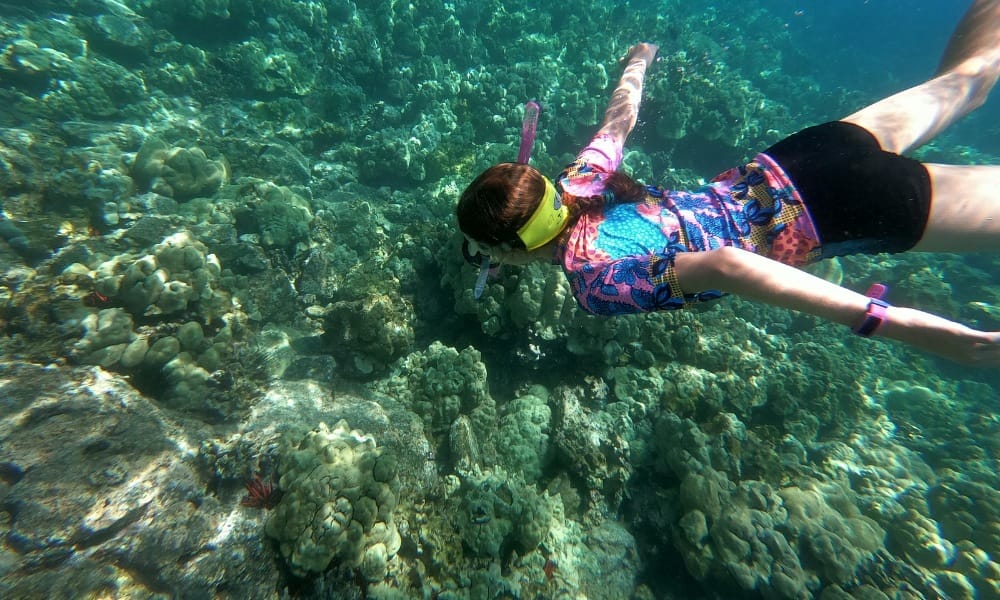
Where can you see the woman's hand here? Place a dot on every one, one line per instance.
(940, 336)
(986, 351)
(644, 51)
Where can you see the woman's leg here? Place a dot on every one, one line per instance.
(965, 209)
(969, 69)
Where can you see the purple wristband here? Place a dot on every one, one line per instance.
(876, 314)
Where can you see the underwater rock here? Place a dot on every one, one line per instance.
(339, 496)
(121, 31)
(26, 58)
(465, 454)
(115, 504)
(372, 332)
(594, 447)
(59, 78)
(150, 229)
(19, 242)
(285, 164)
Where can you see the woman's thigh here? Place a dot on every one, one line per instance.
(913, 117)
(965, 209)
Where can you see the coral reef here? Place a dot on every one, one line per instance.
(177, 281)
(225, 222)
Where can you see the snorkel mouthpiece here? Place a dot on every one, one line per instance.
(484, 272)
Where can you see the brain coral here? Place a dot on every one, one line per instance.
(339, 494)
(181, 173)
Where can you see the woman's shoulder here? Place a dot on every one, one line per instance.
(583, 178)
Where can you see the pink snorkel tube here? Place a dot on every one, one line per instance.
(529, 126)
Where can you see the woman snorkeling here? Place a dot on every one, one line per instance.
(834, 189)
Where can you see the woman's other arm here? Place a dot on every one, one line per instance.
(623, 110)
(759, 278)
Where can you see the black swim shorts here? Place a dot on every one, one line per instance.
(861, 198)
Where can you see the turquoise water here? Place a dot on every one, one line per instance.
(240, 355)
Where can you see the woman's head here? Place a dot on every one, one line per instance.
(499, 202)
(514, 206)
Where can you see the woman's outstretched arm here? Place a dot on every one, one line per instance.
(623, 110)
(759, 278)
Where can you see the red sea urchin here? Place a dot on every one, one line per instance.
(261, 494)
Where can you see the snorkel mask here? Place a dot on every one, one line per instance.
(546, 221)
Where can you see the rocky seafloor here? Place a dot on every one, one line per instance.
(240, 356)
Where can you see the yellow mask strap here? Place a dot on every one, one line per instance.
(546, 222)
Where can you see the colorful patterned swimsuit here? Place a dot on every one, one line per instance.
(621, 260)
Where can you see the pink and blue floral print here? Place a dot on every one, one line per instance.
(621, 260)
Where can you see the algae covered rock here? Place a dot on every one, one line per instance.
(278, 216)
(500, 513)
(340, 491)
(523, 438)
(369, 332)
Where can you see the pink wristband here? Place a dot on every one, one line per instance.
(876, 314)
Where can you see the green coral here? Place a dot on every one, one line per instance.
(340, 491)
(442, 383)
(523, 437)
(279, 215)
(500, 513)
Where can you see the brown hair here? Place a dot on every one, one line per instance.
(501, 200)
